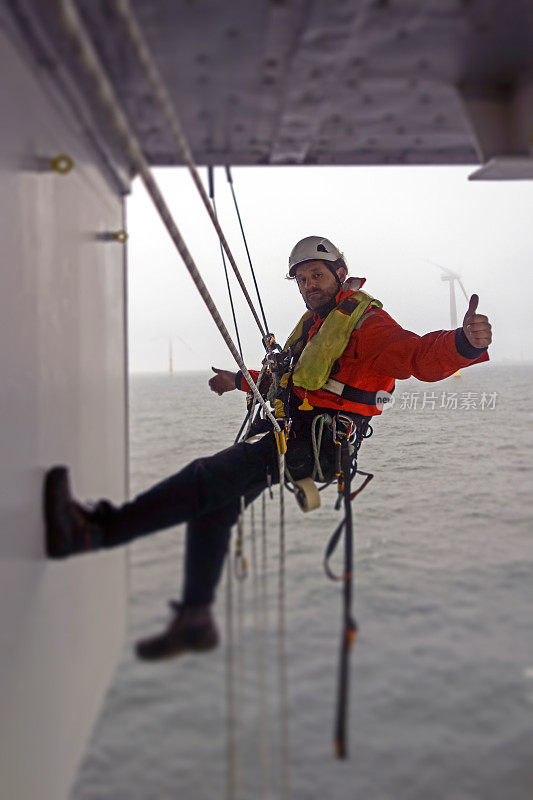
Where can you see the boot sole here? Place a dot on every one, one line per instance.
(174, 652)
(56, 498)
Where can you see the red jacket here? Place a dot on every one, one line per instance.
(380, 351)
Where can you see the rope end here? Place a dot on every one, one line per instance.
(339, 748)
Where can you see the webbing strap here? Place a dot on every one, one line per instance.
(352, 393)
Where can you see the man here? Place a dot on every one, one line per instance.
(346, 353)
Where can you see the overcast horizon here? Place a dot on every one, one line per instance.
(390, 222)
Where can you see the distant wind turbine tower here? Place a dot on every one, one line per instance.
(170, 364)
(451, 277)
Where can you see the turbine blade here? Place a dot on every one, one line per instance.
(449, 272)
(459, 281)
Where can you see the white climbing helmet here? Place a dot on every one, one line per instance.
(312, 248)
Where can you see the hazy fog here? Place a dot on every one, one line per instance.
(389, 222)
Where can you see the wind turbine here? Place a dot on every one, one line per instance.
(451, 277)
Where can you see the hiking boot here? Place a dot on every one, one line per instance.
(69, 526)
(192, 629)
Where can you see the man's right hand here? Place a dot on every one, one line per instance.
(222, 381)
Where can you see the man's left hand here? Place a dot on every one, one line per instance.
(477, 327)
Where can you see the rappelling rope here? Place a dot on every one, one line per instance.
(282, 653)
(250, 411)
(260, 625)
(347, 443)
(211, 179)
(232, 766)
(316, 438)
(240, 563)
(259, 614)
(319, 421)
(75, 28)
(349, 625)
(252, 408)
(123, 7)
(239, 648)
(230, 181)
(124, 10)
(235, 657)
(264, 629)
(73, 25)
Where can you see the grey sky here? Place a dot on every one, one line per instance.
(389, 222)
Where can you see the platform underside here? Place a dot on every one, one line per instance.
(346, 82)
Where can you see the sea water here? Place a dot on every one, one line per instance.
(441, 704)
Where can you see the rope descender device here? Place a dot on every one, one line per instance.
(281, 440)
(343, 428)
(269, 342)
(62, 164)
(344, 431)
(278, 364)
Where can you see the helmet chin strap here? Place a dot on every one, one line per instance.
(334, 273)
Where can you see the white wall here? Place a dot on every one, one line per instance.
(62, 400)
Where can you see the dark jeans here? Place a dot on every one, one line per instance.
(206, 495)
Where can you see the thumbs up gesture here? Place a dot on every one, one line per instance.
(477, 327)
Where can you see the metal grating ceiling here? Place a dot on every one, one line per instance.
(322, 82)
